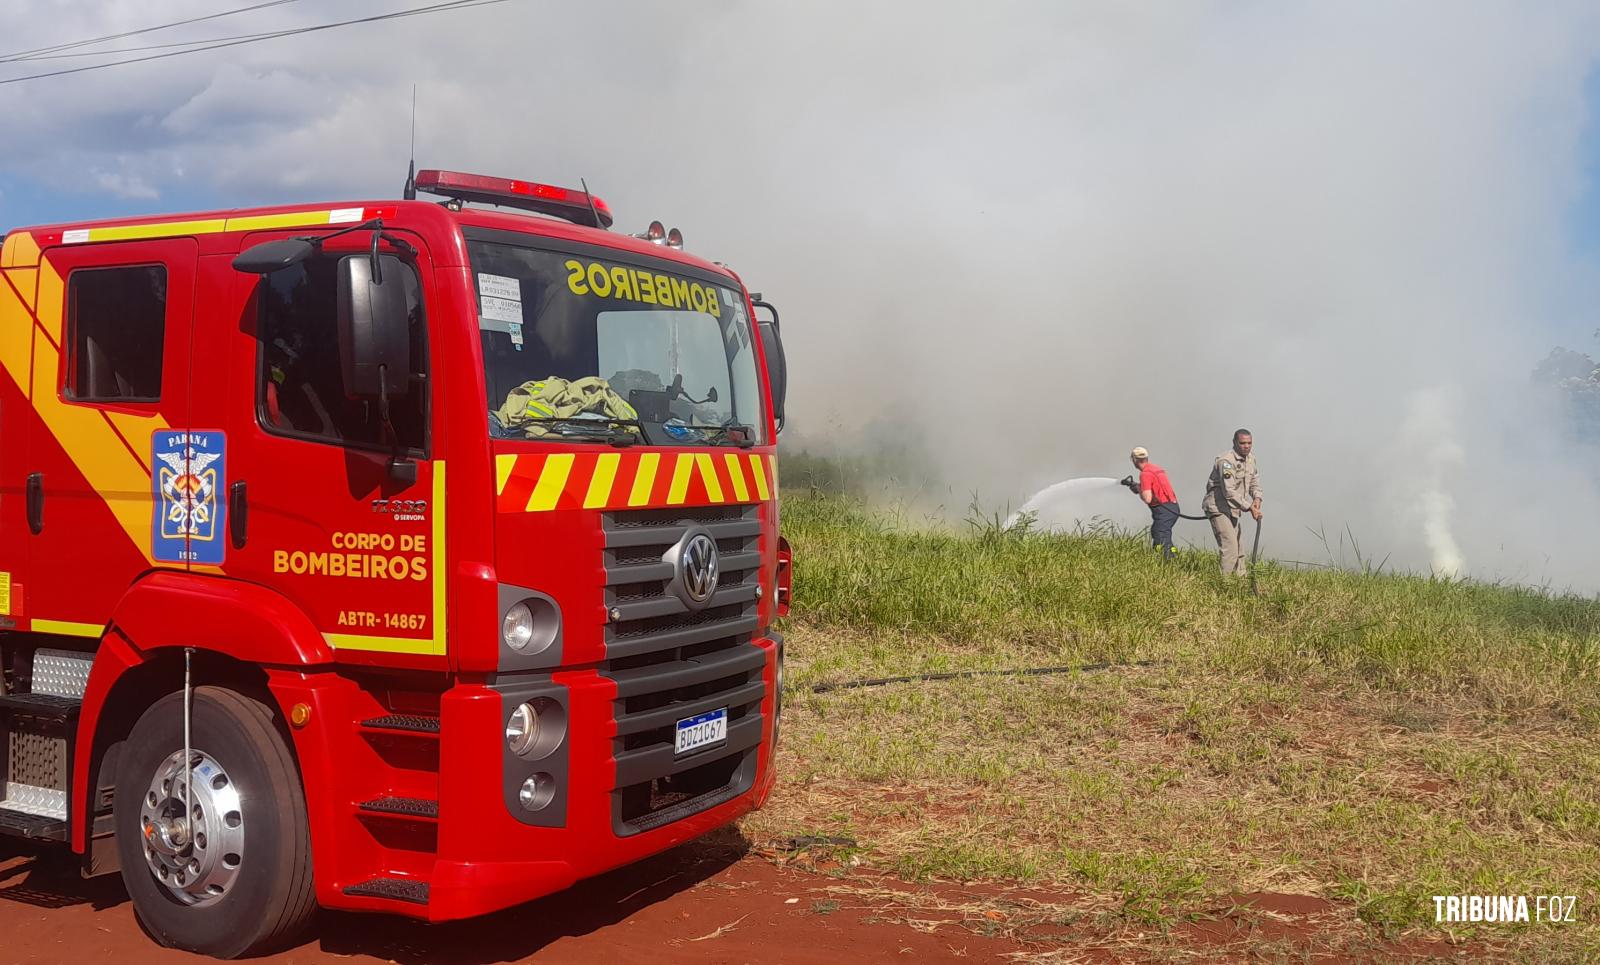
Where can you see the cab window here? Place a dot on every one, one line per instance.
(300, 383)
(116, 325)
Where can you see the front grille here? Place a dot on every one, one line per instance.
(652, 620)
(654, 784)
(670, 663)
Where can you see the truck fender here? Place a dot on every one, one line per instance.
(114, 658)
(166, 610)
(243, 620)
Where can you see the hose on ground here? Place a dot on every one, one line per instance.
(957, 674)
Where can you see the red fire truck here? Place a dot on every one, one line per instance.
(401, 556)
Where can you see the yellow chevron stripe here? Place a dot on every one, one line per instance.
(68, 628)
(605, 472)
(741, 492)
(16, 336)
(50, 299)
(502, 471)
(761, 477)
(552, 480)
(203, 226)
(20, 251)
(26, 281)
(294, 219)
(708, 475)
(354, 641)
(114, 473)
(437, 567)
(680, 479)
(131, 232)
(645, 479)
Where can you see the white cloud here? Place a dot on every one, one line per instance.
(125, 186)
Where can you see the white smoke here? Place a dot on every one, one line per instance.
(1431, 459)
(1032, 233)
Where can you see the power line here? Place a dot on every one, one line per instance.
(263, 35)
(29, 54)
(256, 38)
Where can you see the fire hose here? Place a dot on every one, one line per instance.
(1255, 548)
(824, 688)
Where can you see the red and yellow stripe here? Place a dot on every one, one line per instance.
(106, 447)
(212, 226)
(542, 482)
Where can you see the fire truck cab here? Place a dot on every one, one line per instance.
(399, 556)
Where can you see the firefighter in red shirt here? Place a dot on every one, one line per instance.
(1156, 491)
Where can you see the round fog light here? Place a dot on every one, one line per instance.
(537, 792)
(536, 728)
(522, 729)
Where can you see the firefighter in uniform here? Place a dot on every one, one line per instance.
(1234, 488)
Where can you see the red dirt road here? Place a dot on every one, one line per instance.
(717, 902)
(665, 910)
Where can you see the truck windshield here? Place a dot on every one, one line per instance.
(585, 346)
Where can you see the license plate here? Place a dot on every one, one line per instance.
(702, 730)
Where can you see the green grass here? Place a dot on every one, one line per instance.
(1371, 739)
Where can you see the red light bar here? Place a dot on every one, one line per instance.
(545, 198)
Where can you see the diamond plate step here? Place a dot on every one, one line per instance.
(64, 673)
(410, 807)
(397, 889)
(19, 824)
(404, 722)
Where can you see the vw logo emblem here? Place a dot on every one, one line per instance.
(698, 565)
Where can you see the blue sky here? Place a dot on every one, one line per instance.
(1585, 214)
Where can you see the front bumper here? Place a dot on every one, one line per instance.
(617, 799)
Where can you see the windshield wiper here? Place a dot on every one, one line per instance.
(606, 429)
(717, 435)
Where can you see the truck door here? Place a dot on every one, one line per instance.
(19, 283)
(110, 377)
(328, 522)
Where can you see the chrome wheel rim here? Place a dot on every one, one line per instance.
(194, 852)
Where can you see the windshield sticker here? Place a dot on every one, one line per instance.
(492, 309)
(499, 286)
(645, 287)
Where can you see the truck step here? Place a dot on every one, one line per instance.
(410, 807)
(397, 889)
(38, 827)
(409, 723)
(47, 706)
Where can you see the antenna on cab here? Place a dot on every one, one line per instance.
(410, 190)
(592, 210)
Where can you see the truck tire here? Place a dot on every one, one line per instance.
(236, 878)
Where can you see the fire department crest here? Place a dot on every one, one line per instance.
(187, 479)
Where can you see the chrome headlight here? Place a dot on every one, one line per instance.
(536, 728)
(517, 628)
(522, 729)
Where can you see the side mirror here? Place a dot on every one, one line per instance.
(777, 367)
(271, 256)
(374, 327)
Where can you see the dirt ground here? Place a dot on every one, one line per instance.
(718, 901)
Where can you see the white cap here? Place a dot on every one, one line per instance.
(1140, 452)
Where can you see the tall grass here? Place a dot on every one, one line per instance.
(1371, 737)
(991, 596)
